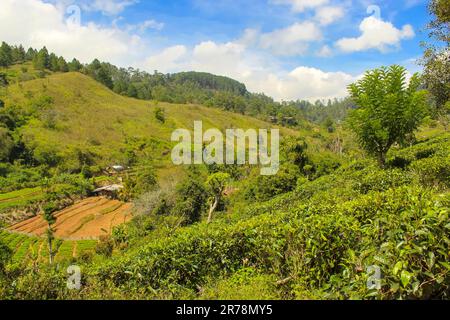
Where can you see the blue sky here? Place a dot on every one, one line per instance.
(289, 49)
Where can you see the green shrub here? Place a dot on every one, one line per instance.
(433, 171)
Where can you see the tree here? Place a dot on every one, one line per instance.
(31, 54)
(75, 65)
(143, 182)
(62, 65)
(436, 59)
(6, 144)
(216, 184)
(104, 77)
(53, 62)
(6, 58)
(439, 26)
(388, 109)
(18, 54)
(49, 210)
(41, 60)
(190, 198)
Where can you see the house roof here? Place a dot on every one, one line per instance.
(110, 188)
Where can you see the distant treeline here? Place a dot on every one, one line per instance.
(185, 87)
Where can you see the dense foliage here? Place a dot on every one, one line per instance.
(388, 110)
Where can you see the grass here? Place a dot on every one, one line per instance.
(110, 209)
(20, 198)
(93, 119)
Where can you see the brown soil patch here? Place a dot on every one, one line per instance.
(87, 219)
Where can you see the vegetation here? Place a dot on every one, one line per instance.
(388, 110)
(315, 230)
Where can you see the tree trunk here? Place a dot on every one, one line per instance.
(382, 159)
(212, 209)
(50, 248)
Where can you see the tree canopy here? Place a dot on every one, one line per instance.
(389, 109)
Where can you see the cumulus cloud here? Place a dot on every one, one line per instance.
(376, 34)
(325, 52)
(291, 40)
(329, 14)
(110, 6)
(40, 24)
(107, 7)
(301, 5)
(260, 73)
(169, 58)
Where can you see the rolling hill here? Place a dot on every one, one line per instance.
(86, 117)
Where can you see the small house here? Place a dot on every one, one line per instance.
(111, 191)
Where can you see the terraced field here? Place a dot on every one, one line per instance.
(20, 198)
(33, 248)
(87, 219)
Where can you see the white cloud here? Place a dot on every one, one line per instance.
(292, 40)
(107, 7)
(301, 5)
(329, 14)
(260, 73)
(40, 24)
(317, 84)
(110, 6)
(376, 34)
(146, 25)
(169, 59)
(325, 52)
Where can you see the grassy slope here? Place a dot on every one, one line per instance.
(91, 117)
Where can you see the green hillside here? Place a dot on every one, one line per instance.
(87, 116)
(314, 230)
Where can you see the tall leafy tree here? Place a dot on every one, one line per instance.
(389, 109)
(436, 59)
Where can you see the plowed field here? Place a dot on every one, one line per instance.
(87, 219)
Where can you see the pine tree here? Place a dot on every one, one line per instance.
(53, 62)
(31, 53)
(62, 65)
(75, 66)
(41, 60)
(18, 54)
(5, 55)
